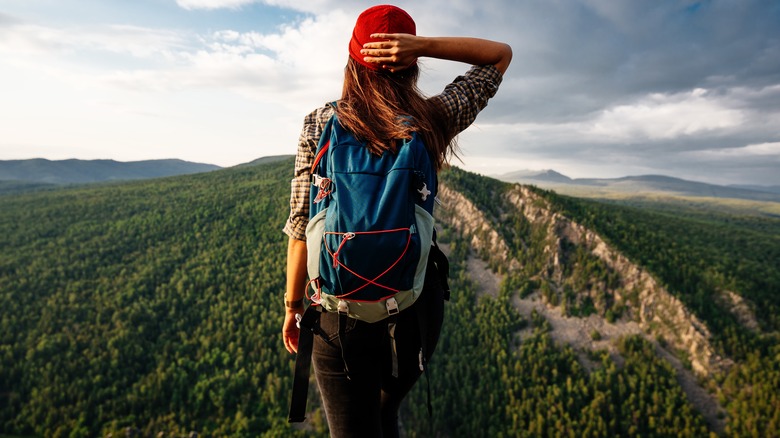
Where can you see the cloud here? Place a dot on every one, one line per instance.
(575, 58)
(283, 67)
(314, 6)
(135, 41)
(762, 150)
(653, 118)
(213, 4)
(701, 134)
(664, 116)
(6, 20)
(295, 67)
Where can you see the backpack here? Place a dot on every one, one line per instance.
(371, 226)
(369, 238)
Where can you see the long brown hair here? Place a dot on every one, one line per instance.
(376, 107)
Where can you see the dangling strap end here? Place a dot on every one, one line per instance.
(393, 349)
(308, 323)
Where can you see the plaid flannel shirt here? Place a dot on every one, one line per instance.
(463, 99)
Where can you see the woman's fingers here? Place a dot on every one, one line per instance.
(378, 57)
(374, 53)
(291, 344)
(379, 45)
(393, 52)
(380, 51)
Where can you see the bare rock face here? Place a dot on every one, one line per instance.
(657, 312)
(462, 215)
(741, 309)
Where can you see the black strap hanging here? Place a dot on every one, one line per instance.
(309, 325)
(423, 355)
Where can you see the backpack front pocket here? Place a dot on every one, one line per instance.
(370, 265)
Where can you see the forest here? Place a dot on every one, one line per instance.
(154, 308)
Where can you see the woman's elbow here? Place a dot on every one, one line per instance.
(505, 58)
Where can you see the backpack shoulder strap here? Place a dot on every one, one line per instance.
(322, 148)
(320, 153)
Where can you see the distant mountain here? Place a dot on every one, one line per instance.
(768, 189)
(266, 160)
(535, 175)
(639, 184)
(73, 171)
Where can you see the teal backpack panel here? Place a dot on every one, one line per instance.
(371, 224)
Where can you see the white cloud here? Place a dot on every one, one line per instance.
(135, 41)
(768, 150)
(665, 116)
(213, 4)
(285, 68)
(298, 5)
(655, 117)
(763, 149)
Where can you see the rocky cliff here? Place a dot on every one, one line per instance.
(642, 299)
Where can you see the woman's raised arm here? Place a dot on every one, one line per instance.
(399, 51)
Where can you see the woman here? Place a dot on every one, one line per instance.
(378, 95)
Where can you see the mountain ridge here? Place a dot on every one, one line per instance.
(649, 183)
(682, 305)
(682, 330)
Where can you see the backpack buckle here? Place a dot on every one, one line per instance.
(323, 187)
(392, 306)
(343, 308)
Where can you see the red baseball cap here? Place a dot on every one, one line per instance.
(378, 19)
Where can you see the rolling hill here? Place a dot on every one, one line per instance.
(155, 307)
(43, 171)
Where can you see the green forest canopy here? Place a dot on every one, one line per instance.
(156, 306)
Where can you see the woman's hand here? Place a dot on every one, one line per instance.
(290, 329)
(397, 52)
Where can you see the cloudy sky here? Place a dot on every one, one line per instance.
(597, 88)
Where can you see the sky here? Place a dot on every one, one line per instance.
(596, 89)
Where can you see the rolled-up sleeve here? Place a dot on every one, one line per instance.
(300, 185)
(468, 94)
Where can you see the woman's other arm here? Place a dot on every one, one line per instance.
(296, 284)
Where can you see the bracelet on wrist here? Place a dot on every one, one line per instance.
(293, 304)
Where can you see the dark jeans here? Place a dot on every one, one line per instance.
(365, 403)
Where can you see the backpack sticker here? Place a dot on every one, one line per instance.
(424, 192)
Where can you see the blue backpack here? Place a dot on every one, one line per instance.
(369, 238)
(371, 226)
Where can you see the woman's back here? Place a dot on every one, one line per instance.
(365, 369)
